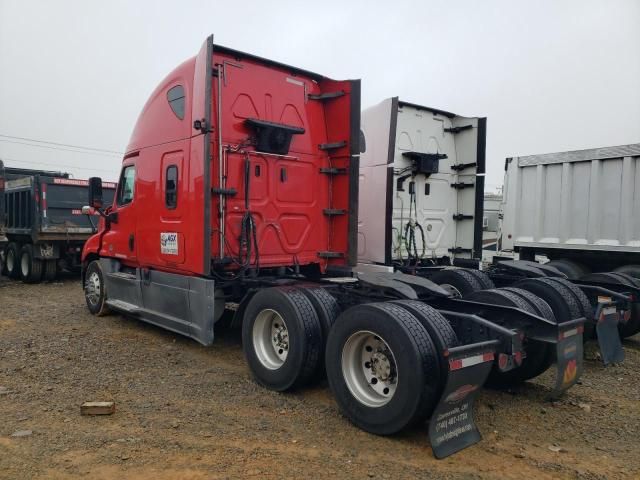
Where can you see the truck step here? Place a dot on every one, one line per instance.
(458, 129)
(334, 211)
(462, 185)
(331, 146)
(122, 275)
(330, 254)
(462, 166)
(333, 171)
(325, 96)
(123, 306)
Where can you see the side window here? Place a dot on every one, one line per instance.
(171, 187)
(175, 97)
(127, 185)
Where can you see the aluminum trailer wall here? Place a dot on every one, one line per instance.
(574, 204)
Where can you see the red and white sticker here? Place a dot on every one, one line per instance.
(571, 332)
(469, 361)
(77, 211)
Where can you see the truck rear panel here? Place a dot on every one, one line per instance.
(578, 200)
(299, 199)
(449, 151)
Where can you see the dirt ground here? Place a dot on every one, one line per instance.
(188, 412)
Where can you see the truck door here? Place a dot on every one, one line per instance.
(120, 241)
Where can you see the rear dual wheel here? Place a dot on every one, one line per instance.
(282, 338)
(30, 267)
(12, 260)
(631, 326)
(461, 281)
(539, 355)
(383, 367)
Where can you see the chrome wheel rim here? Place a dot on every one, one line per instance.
(452, 290)
(93, 288)
(270, 339)
(24, 264)
(369, 369)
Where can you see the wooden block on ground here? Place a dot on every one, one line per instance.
(97, 408)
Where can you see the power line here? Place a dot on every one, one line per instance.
(62, 144)
(58, 165)
(60, 148)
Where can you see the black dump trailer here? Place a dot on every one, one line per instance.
(42, 227)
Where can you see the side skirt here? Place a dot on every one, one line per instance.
(180, 303)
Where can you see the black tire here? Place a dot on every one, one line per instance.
(414, 356)
(30, 267)
(539, 356)
(326, 307)
(95, 290)
(438, 328)
(627, 278)
(582, 299)
(542, 308)
(482, 277)
(12, 260)
(631, 326)
(562, 302)
(50, 270)
(573, 270)
(458, 280)
(328, 311)
(633, 270)
(290, 311)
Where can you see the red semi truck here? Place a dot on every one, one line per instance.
(239, 191)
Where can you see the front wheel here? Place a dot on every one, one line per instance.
(95, 292)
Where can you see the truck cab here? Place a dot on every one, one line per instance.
(228, 176)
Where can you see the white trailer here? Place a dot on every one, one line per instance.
(421, 186)
(577, 208)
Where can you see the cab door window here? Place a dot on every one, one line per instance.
(171, 187)
(127, 185)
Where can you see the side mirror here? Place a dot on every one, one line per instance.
(86, 210)
(95, 192)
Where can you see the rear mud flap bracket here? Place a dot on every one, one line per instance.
(569, 354)
(608, 336)
(452, 426)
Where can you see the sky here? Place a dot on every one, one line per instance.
(549, 75)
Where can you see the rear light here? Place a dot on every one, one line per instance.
(518, 356)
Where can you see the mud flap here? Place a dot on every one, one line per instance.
(608, 336)
(569, 359)
(452, 426)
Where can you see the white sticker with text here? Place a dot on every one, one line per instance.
(169, 243)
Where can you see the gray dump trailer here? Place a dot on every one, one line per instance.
(580, 206)
(575, 214)
(42, 227)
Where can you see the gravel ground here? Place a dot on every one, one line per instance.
(188, 412)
